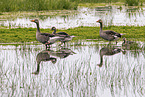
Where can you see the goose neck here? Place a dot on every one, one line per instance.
(101, 26)
(101, 61)
(38, 29)
(54, 31)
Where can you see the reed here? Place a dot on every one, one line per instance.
(128, 2)
(36, 5)
(39, 5)
(132, 2)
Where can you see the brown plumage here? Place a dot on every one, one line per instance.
(65, 37)
(108, 34)
(42, 37)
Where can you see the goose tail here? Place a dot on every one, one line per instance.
(73, 36)
(121, 34)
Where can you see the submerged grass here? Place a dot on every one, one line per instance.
(29, 34)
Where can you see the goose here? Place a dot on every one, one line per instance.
(128, 45)
(125, 42)
(44, 37)
(108, 34)
(43, 56)
(108, 51)
(66, 37)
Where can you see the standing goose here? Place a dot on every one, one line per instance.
(65, 36)
(42, 37)
(108, 34)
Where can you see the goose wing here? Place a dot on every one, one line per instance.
(47, 34)
(62, 34)
(109, 32)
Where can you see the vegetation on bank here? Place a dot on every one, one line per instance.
(36, 5)
(29, 34)
(41, 5)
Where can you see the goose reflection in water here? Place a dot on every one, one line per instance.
(62, 53)
(50, 55)
(108, 51)
(43, 56)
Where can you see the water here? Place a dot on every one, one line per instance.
(84, 17)
(72, 71)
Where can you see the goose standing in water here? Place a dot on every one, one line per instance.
(128, 45)
(108, 34)
(44, 37)
(65, 36)
(125, 42)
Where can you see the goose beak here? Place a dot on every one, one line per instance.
(32, 20)
(97, 21)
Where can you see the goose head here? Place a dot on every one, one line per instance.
(99, 21)
(53, 28)
(53, 60)
(124, 39)
(35, 20)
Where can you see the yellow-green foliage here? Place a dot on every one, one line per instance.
(29, 34)
(35, 5)
(17, 35)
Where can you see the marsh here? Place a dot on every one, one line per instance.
(78, 74)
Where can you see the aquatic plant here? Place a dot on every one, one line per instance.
(132, 2)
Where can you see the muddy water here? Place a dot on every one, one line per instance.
(91, 69)
(84, 17)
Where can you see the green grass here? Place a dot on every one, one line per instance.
(28, 34)
(34, 14)
(36, 5)
(41, 5)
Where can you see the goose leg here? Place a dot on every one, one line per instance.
(109, 42)
(116, 42)
(116, 38)
(47, 45)
(64, 44)
(61, 43)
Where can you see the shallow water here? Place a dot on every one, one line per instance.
(84, 17)
(72, 71)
